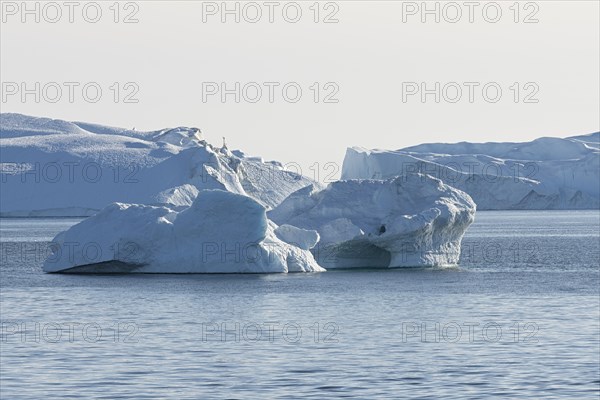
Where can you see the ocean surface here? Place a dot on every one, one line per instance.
(519, 318)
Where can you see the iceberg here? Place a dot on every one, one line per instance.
(167, 201)
(58, 168)
(411, 220)
(221, 232)
(547, 173)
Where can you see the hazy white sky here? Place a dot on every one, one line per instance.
(374, 55)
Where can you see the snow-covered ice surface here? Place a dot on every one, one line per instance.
(57, 168)
(168, 202)
(547, 173)
(412, 220)
(221, 232)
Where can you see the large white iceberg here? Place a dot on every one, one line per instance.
(547, 173)
(412, 220)
(221, 232)
(168, 202)
(58, 168)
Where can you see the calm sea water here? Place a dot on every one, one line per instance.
(518, 318)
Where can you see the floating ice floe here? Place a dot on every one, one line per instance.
(412, 220)
(221, 232)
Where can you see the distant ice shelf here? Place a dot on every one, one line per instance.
(547, 173)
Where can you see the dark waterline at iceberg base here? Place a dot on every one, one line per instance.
(518, 318)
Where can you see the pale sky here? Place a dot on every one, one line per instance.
(374, 55)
